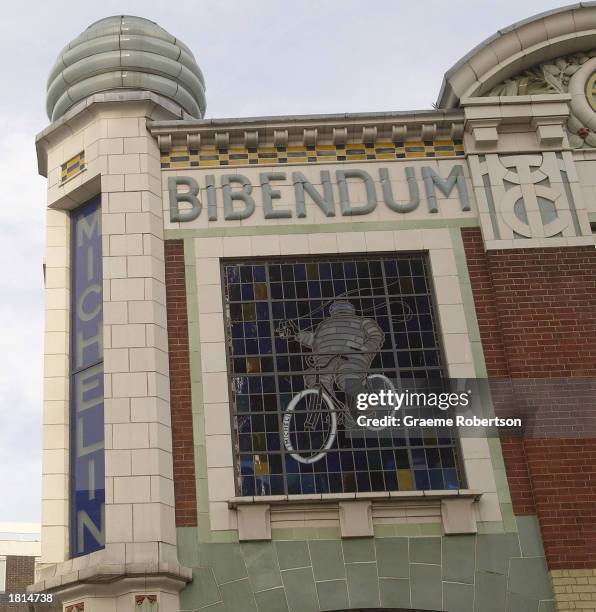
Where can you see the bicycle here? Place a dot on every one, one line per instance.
(319, 407)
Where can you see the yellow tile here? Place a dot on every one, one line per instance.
(404, 478)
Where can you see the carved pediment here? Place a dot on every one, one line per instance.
(573, 74)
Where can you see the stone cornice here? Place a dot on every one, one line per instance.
(308, 130)
(155, 106)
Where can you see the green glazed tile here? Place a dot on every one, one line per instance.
(187, 541)
(490, 592)
(530, 577)
(508, 518)
(494, 551)
(521, 603)
(358, 549)
(300, 590)
(227, 562)
(384, 531)
(292, 554)
(363, 585)
(283, 534)
(529, 536)
(218, 607)
(426, 586)
(425, 550)
(273, 600)
(262, 566)
(490, 527)
(458, 597)
(407, 529)
(395, 592)
(458, 558)
(328, 533)
(333, 595)
(392, 557)
(238, 596)
(227, 536)
(431, 529)
(201, 592)
(327, 559)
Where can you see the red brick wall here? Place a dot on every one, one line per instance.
(180, 390)
(19, 574)
(536, 311)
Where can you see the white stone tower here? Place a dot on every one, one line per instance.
(108, 495)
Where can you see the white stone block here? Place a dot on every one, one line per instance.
(322, 243)
(118, 523)
(436, 238)
(126, 244)
(127, 289)
(125, 202)
(453, 319)
(149, 359)
(129, 385)
(123, 127)
(213, 357)
(154, 522)
(130, 435)
(114, 267)
(447, 290)
(117, 410)
(442, 262)
(219, 451)
(217, 419)
(220, 483)
(151, 461)
(132, 489)
(115, 313)
(162, 490)
(113, 223)
(118, 463)
(130, 335)
(380, 241)
(116, 359)
(211, 327)
(457, 348)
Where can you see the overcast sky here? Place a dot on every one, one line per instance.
(259, 57)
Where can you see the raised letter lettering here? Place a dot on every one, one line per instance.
(324, 202)
(190, 196)
(344, 197)
(211, 198)
(455, 179)
(270, 194)
(229, 196)
(402, 207)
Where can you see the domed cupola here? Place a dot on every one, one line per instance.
(125, 52)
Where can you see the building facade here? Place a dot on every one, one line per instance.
(19, 552)
(218, 291)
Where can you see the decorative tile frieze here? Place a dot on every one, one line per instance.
(186, 157)
(75, 165)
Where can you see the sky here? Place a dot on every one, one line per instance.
(259, 57)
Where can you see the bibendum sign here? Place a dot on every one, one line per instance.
(236, 197)
(519, 200)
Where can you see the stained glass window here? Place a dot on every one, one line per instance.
(304, 338)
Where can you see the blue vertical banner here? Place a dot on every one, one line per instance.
(87, 468)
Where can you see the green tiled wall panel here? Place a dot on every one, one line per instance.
(405, 565)
(488, 572)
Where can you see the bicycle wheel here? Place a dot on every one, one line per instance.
(309, 426)
(376, 383)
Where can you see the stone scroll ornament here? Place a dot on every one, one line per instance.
(573, 74)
